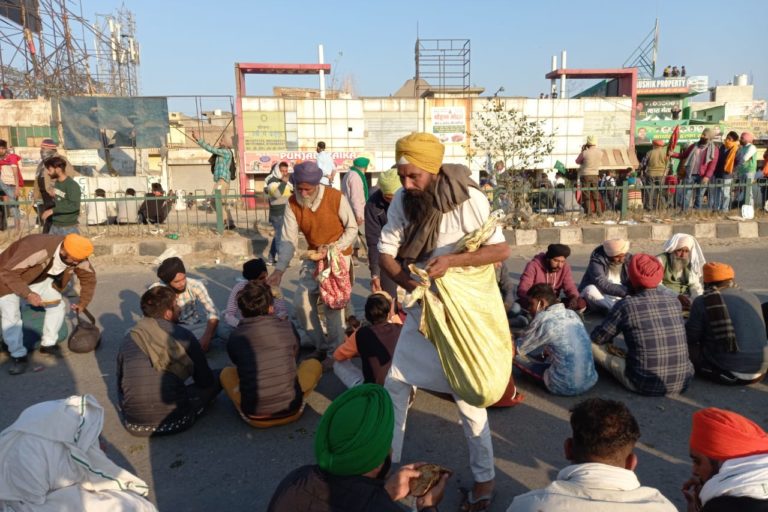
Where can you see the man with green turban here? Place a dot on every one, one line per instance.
(354, 186)
(375, 218)
(352, 446)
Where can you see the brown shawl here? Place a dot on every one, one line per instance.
(451, 188)
(165, 353)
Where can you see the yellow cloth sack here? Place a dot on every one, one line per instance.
(467, 323)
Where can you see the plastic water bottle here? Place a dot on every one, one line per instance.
(172, 236)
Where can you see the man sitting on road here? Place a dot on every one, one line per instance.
(373, 343)
(191, 297)
(551, 268)
(155, 361)
(656, 362)
(558, 346)
(730, 463)
(602, 477)
(726, 330)
(254, 270)
(154, 209)
(37, 268)
(265, 385)
(683, 260)
(352, 450)
(606, 280)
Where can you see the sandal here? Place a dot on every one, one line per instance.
(472, 503)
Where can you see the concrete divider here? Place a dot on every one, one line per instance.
(595, 234)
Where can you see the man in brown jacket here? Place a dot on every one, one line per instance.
(37, 268)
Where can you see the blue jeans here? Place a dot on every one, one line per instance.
(721, 195)
(687, 190)
(277, 223)
(64, 230)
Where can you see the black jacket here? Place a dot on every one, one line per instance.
(375, 219)
(310, 489)
(262, 349)
(150, 398)
(597, 274)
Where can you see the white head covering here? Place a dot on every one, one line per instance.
(275, 172)
(680, 240)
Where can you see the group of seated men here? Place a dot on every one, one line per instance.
(163, 377)
(729, 455)
(677, 315)
(165, 382)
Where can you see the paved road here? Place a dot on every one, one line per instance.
(222, 464)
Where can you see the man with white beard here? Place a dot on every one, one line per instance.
(323, 215)
(683, 260)
(606, 280)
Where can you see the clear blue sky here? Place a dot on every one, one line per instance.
(189, 47)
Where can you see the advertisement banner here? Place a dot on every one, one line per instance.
(264, 131)
(449, 124)
(672, 85)
(261, 162)
(645, 134)
(658, 109)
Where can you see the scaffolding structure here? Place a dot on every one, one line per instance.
(49, 49)
(444, 64)
(644, 56)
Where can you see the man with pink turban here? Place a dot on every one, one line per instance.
(656, 360)
(729, 454)
(746, 168)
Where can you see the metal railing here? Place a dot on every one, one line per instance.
(147, 216)
(656, 198)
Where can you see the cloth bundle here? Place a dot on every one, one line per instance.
(332, 276)
(468, 325)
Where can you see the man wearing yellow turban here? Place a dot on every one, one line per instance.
(375, 219)
(37, 268)
(439, 204)
(352, 446)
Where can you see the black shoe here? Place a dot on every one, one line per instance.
(53, 350)
(18, 366)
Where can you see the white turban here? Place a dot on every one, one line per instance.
(615, 247)
(682, 240)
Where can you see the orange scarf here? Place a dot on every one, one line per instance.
(730, 159)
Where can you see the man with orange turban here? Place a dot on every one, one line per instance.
(438, 205)
(37, 268)
(730, 463)
(726, 330)
(656, 362)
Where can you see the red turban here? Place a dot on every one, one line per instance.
(724, 435)
(645, 271)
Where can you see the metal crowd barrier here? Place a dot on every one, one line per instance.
(146, 216)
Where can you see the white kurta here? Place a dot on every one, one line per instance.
(416, 360)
